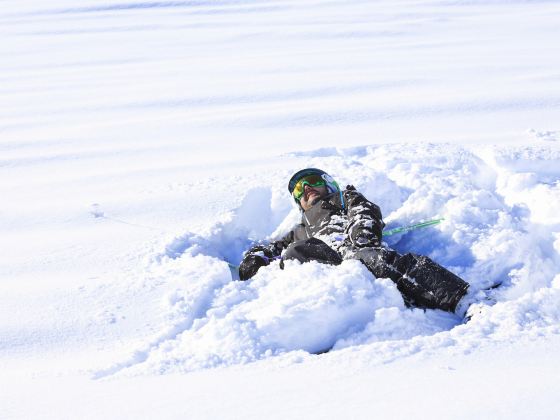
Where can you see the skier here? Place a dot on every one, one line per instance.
(342, 224)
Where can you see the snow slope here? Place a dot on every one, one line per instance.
(144, 145)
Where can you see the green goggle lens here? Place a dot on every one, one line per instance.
(311, 180)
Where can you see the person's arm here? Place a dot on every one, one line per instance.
(365, 225)
(261, 255)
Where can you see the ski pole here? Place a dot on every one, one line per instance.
(401, 229)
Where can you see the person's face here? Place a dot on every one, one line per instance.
(310, 195)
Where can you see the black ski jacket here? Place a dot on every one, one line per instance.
(342, 220)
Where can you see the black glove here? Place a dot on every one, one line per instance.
(261, 251)
(362, 237)
(250, 265)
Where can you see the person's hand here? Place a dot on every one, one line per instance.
(363, 238)
(261, 251)
(250, 265)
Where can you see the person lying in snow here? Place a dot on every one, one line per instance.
(338, 225)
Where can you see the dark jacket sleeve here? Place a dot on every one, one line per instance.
(261, 255)
(365, 225)
(273, 249)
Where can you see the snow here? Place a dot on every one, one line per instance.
(146, 145)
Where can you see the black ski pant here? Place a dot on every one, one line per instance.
(422, 282)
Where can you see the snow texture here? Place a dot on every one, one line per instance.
(489, 237)
(144, 146)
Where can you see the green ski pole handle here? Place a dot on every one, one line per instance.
(402, 229)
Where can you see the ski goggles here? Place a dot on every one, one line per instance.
(311, 180)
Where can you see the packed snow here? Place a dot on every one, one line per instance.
(145, 146)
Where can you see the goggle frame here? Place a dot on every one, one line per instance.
(311, 180)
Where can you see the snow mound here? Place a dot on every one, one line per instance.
(501, 227)
(237, 322)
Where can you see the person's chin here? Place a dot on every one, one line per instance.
(314, 198)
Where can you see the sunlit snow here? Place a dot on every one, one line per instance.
(144, 146)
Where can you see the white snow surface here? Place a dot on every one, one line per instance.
(146, 145)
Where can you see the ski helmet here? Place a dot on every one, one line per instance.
(330, 183)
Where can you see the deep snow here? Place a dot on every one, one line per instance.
(144, 145)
